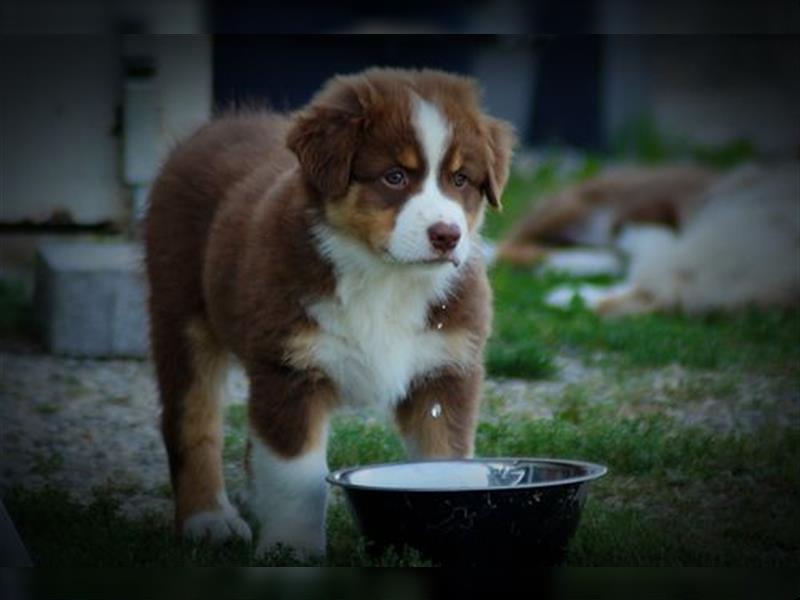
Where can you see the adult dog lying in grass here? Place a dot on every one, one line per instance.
(695, 241)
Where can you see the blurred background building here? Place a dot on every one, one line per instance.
(94, 93)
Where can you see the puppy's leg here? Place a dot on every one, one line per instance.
(287, 461)
(438, 418)
(191, 367)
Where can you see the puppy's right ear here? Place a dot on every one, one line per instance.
(325, 136)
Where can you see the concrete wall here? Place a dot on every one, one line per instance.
(63, 99)
(57, 118)
(714, 89)
(102, 17)
(709, 88)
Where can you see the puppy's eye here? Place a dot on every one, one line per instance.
(459, 179)
(395, 178)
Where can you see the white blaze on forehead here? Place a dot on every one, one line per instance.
(409, 241)
(433, 133)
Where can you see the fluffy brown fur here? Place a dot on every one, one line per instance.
(233, 264)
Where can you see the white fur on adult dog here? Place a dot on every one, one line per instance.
(741, 248)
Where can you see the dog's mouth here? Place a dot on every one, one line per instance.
(442, 260)
(433, 261)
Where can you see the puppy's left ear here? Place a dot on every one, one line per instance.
(500, 146)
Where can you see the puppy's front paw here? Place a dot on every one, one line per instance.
(217, 526)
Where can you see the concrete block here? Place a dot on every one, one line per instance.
(91, 299)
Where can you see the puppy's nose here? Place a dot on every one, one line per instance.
(444, 237)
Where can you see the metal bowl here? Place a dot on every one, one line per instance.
(493, 511)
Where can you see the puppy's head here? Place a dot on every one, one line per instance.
(403, 161)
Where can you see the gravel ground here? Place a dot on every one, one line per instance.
(84, 425)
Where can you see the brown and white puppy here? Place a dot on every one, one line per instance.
(334, 253)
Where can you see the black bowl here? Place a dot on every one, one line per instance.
(493, 511)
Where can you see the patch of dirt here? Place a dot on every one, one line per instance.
(83, 425)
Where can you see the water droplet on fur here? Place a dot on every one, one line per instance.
(436, 410)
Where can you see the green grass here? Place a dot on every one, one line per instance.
(641, 140)
(60, 532)
(47, 464)
(528, 334)
(674, 496)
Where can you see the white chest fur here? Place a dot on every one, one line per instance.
(373, 338)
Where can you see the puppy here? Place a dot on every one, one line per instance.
(334, 253)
